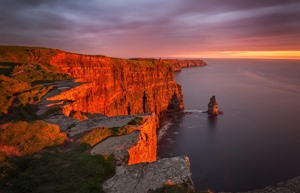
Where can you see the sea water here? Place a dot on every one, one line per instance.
(256, 142)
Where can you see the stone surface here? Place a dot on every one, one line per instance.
(138, 146)
(46, 105)
(117, 146)
(213, 107)
(73, 126)
(141, 178)
(290, 186)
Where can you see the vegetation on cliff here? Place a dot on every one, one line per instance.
(21, 78)
(59, 171)
(99, 134)
(23, 138)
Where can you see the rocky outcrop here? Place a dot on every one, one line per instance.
(136, 147)
(117, 86)
(213, 107)
(145, 149)
(118, 146)
(142, 178)
(179, 64)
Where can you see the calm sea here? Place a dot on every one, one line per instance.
(256, 142)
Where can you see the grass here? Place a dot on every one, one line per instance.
(99, 134)
(75, 171)
(21, 78)
(136, 121)
(23, 138)
(24, 54)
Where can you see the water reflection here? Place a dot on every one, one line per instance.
(212, 121)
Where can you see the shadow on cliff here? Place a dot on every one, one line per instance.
(20, 113)
(174, 103)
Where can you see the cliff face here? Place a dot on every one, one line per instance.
(179, 64)
(114, 86)
(117, 86)
(145, 148)
(137, 145)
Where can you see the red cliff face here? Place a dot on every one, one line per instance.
(145, 149)
(118, 86)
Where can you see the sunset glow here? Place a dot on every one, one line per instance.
(156, 28)
(295, 54)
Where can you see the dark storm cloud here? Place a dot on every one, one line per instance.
(151, 27)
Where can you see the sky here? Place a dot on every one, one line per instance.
(156, 28)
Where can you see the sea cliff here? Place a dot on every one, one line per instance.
(95, 101)
(118, 86)
(113, 86)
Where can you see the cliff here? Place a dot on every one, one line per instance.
(138, 145)
(145, 148)
(118, 86)
(179, 64)
(102, 85)
(114, 86)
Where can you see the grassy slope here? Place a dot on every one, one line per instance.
(54, 171)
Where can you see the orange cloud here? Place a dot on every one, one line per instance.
(292, 54)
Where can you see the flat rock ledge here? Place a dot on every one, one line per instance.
(118, 146)
(290, 186)
(144, 177)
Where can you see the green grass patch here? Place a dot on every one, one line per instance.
(136, 121)
(75, 171)
(23, 138)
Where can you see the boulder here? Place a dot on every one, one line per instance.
(144, 177)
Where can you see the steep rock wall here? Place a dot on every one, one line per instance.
(145, 148)
(118, 86)
(137, 146)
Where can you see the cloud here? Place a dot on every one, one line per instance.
(151, 27)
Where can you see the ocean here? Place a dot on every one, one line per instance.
(256, 142)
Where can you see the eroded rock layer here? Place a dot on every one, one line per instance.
(137, 147)
(113, 86)
(118, 86)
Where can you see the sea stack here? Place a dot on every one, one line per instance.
(213, 107)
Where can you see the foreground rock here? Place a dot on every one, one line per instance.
(213, 107)
(137, 147)
(117, 146)
(144, 177)
(290, 186)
